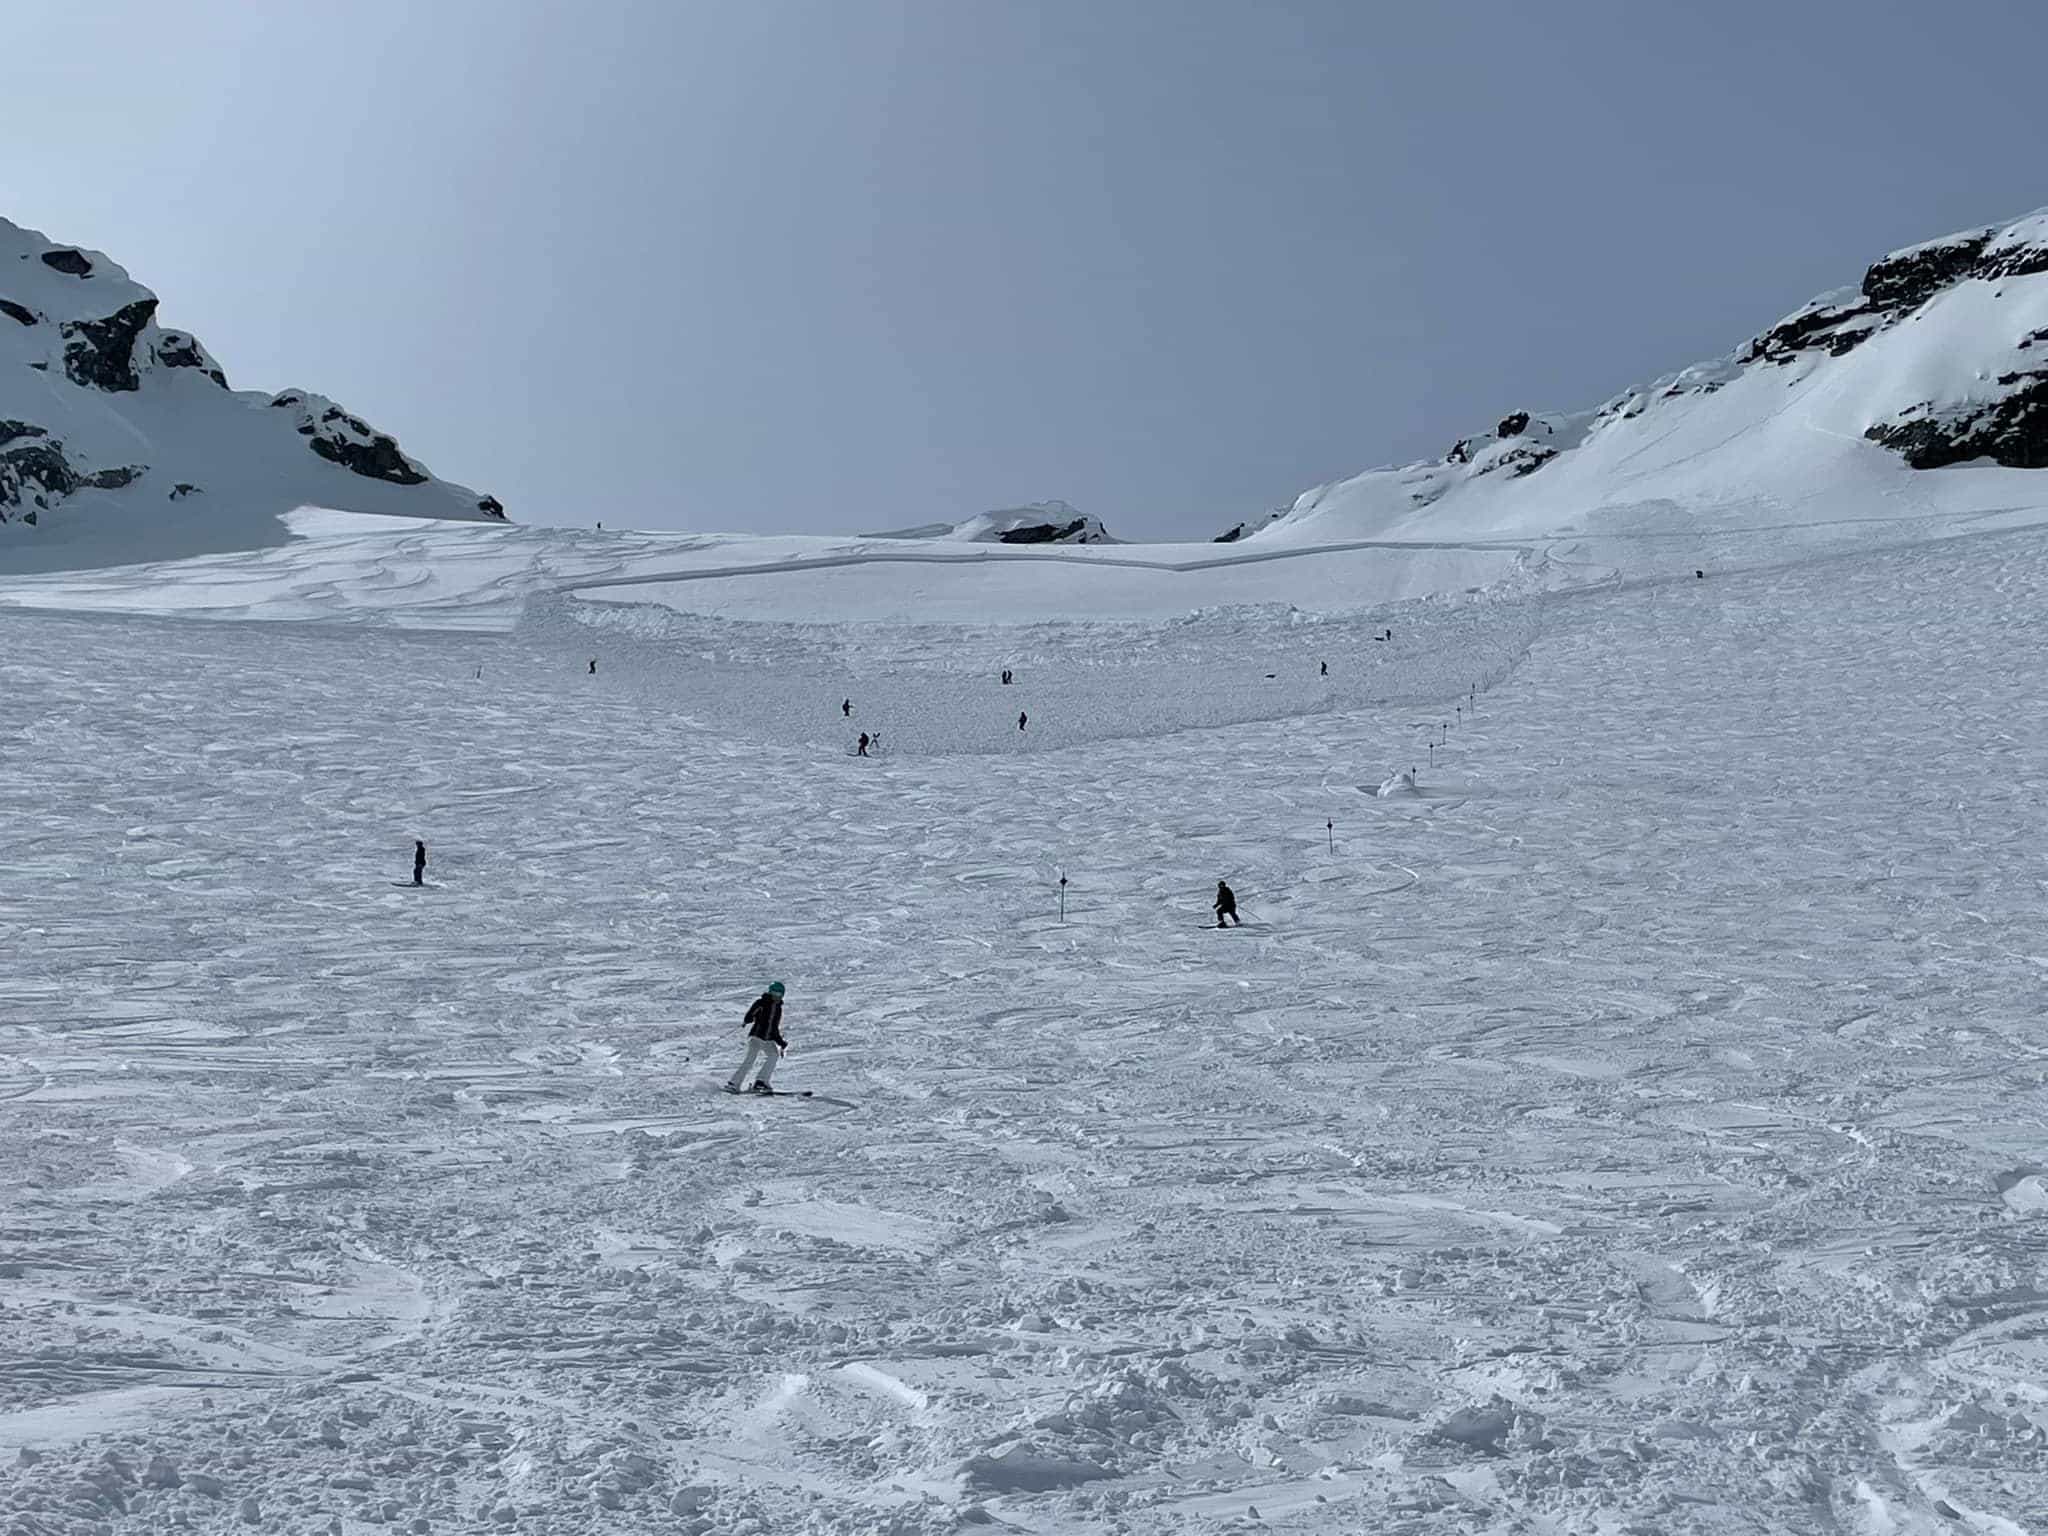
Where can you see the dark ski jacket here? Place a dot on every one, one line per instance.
(764, 1019)
(1225, 901)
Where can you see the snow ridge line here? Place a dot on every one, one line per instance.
(980, 557)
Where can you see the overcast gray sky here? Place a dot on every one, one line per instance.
(833, 265)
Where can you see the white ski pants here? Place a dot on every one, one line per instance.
(759, 1050)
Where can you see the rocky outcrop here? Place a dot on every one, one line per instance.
(100, 354)
(2012, 431)
(490, 506)
(348, 440)
(1909, 278)
(1074, 532)
(69, 260)
(36, 471)
(1899, 285)
(1835, 327)
(176, 349)
(17, 312)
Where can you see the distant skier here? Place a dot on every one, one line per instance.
(764, 1041)
(1006, 677)
(846, 708)
(1325, 669)
(1226, 905)
(862, 749)
(419, 862)
(593, 666)
(1699, 575)
(1021, 718)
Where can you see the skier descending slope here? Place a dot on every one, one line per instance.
(1226, 905)
(764, 1041)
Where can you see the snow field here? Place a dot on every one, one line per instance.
(1640, 1128)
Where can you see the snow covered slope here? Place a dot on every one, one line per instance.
(1939, 359)
(121, 440)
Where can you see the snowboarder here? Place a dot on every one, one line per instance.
(846, 708)
(862, 749)
(419, 862)
(1325, 669)
(764, 1041)
(1226, 905)
(1021, 718)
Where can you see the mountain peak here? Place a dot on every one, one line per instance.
(116, 431)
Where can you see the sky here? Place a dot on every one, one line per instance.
(844, 265)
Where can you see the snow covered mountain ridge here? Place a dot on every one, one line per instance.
(116, 431)
(1041, 522)
(1938, 358)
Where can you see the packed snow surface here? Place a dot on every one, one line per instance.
(1637, 1125)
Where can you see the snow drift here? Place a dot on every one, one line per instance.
(119, 437)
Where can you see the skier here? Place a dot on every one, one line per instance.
(862, 750)
(846, 708)
(1006, 677)
(593, 666)
(764, 1041)
(1021, 718)
(1226, 906)
(419, 862)
(1326, 669)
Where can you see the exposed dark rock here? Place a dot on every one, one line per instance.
(1044, 533)
(37, 468)
(2015, 261)
(178, 350)
(1513, 425)
(15, 311)
(490, 506)
(1840, 327)
(355, 424)
(72, 262)
(1526, 459)
(1231, 536)
(183, 489)
(10, 430)
(2012, 432)
(2032, 338)
(289, 398)
(100, 354)
(378, 459)
(1461, 452)
(1911, 278)
(114, 479)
